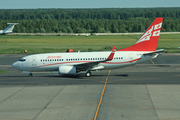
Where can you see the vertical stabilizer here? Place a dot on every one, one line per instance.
(10, 28)
(148, 41)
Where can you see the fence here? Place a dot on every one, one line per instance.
(86, 34)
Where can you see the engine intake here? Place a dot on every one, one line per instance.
(67, 70)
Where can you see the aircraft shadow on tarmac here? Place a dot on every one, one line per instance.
(54, 79)
(81, 76)
(122, 75)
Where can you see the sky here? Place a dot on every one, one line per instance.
(28, 4)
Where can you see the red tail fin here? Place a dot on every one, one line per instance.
(148, 41)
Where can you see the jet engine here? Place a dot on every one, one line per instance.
(67, 70)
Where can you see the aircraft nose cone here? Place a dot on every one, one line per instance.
(15, 65)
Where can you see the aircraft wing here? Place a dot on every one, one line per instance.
(90, 65)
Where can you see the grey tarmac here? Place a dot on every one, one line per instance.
(147, 91)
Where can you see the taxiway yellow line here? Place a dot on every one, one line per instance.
(151, 61)
(97, 110)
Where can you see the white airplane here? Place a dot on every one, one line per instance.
(9, 29)
(75, 62)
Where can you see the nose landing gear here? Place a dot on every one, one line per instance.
(28, 72)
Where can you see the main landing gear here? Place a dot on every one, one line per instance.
(88, 74)
(30, 75)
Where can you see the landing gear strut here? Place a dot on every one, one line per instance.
(30, 74)
(88, 74)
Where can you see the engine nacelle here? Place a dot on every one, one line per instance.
(67, 70)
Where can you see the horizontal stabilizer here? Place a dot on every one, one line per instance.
(12, 23)
(157, 51)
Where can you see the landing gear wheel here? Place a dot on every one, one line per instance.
(88, 74)
(30, 75)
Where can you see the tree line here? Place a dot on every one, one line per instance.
(103, 20)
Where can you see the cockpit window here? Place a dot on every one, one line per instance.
(22, 60)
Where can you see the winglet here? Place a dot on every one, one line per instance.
(112, 54)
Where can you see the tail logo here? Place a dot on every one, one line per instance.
(156, 33)
(146, 36)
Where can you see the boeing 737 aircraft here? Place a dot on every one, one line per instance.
(9, 29)
(74, 62)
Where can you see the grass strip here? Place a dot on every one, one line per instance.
(3, 71)
(45, 44)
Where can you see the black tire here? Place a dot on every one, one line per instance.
(88, 74)
(30, 75)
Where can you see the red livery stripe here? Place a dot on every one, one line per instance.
(122, 62)
(87, 62)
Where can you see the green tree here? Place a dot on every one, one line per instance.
(23, 30)
(69, 30)
(36, 30)
(79, 30)
(42, 30)
(102, 30)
